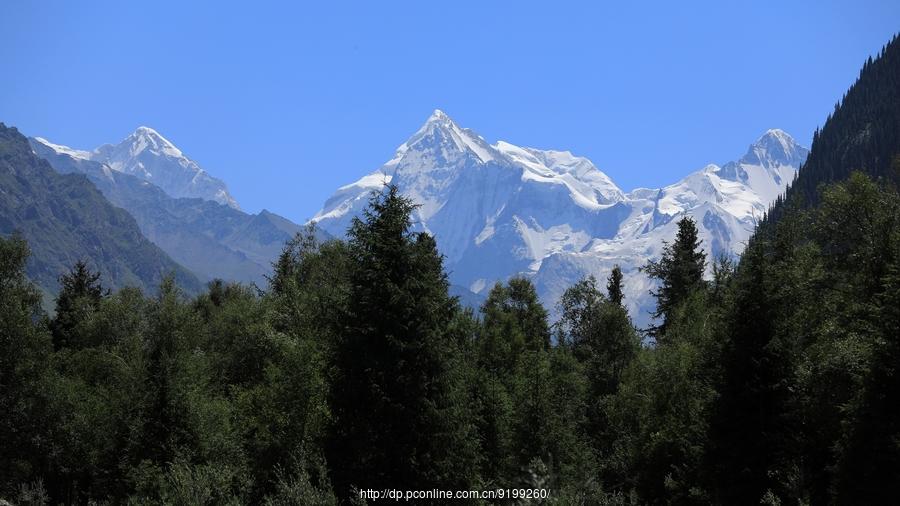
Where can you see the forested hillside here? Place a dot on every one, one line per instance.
(65, 219)
(775, 382)
(861, 134)
(807, 406)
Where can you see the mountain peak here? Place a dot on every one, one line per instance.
(775, 147)
(443, 139)
(778, 135)
(438, 116)
(145, 137)
(438, 120)
(145, 130)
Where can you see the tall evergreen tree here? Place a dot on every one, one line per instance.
(679, 272)
(614, 286)
(80, 294)
(395, 425)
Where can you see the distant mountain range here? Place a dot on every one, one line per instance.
(149, 156)
(209, 235)
(65, 218)
(499, 210)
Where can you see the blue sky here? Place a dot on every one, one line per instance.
(286, 102)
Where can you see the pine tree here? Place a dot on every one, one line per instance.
(395, 425)
(79, 295)
(679, 272)
(614, 286)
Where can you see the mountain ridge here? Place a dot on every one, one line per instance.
(209, 238)
(146, 154)
(499, 210)
(65, 218)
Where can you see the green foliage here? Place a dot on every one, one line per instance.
(614, 286)
(803, 334)
(599, 332)
(25, 348)
(298, 488)
(774, 383)
(395, 423)
(863, 133)
(513, 321)
(659, 415)
(79, 296)
(679, 272)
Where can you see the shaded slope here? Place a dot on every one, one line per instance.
(211, 239)
(65, 218)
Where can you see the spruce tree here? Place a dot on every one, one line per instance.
(679, 272)
(79, 295)
(614, 286)
(394, 422)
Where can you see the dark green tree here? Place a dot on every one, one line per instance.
(25, 349)
(79, 296)
(599, 332)
(679, 272)
(602, 338)
(868, 469)
(309, 288)
(614, 286)
(394, 422)
(531, 396)
(513, 321)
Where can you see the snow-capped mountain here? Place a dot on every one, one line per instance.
(497, 210)
(151, 157)
(726, 203)
(210, 239)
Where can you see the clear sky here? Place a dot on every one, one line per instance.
(287, 101)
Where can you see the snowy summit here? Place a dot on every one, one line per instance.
(150, 156)
(499, 210)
